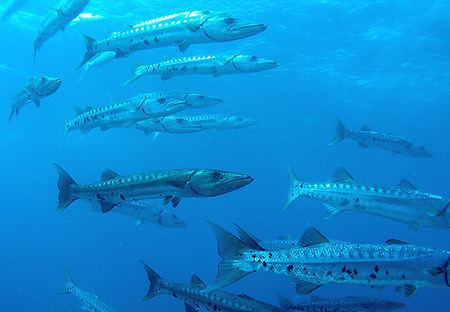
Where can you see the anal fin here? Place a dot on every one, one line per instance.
(407, 290)
(333, 210)
(106, 206)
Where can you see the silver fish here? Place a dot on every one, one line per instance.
(366, 137)
(57, 21)
(170, 185)
(197, 299)
(36, 89)
(90, 301)
(403, 203)
(137, 108)
(180, 29)
(318, 262)
(346, 304)
(190, 124)
(99, 60)
(215, 65)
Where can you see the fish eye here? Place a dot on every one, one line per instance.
(253, 58)
(161, 100)
(201, 97)
(179, 120)
(229, 20)
(216, 175)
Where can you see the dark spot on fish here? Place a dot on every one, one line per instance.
(301, 185)
(403, 276)
(122, 197)
(289, 268)
(131, 40)
(387, 272)
(264, 263)
(357, 199)
(100, 197)
(355, 272)
(156, 40)
(107, 43)
(377, 269)
(270, 255)
(348, 272)
(195, 68)
(329, 273)
(184, 68)
(344, 268)
(372, 276)
(153, 69)
(271, 268)
(146, 42)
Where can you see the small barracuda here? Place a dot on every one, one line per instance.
(318, 262)
(170, 185)
(137, 108)
(190, 124)
(196, 299)
(57, 21)
(346, 304)
(215, 65)
(90, 301)
(366, 137)
(403, 203)
(180, 29)
(36, 89)
(144, 212)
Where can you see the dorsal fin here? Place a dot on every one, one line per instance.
(312, 237)
(342, 174)
(394, 241)
(365, 128)
(108, 174)
(406, 185)
(248, 239)
(197, 282)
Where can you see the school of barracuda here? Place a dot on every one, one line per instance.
(311, 261)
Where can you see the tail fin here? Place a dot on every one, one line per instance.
(155, 280)
(138, 72)
(12, 113)
(65, 197)
(89, 42)
(341, 133)
(230, 247)
(293, 186)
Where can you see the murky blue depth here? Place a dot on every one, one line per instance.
(384, 64)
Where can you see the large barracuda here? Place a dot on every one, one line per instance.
(90, 301)
(190, 124)
(318, 262)
(137, 108)
(196, 299)
(181, 29)
(346, 304)
(366, 137)
(36, 89)
(215, 65)
(144, 212)
(170, 185)
(58, 20)
(403, 203)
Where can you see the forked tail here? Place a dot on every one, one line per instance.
(65, 182)
(294, 185)
(137, 73)
(89, 42)
(341, 133)
(156, 282)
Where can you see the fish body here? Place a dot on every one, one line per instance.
(403, 203)
(346, 304)
(170, 185)
(190, 124)
(215, 65)
(318, 262)
(140, 107)
(144, 212)
(197, 299)
(99, 60)
(36, 89)
(366, 137)
(58, 20)
(90, 301)
(13, 7)
(180, 29)
(87, 17)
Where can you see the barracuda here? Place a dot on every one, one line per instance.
(137, 108)
(346, 304)
(170, 185)
(215, 65)
(190, 124)
(181, 29)
(196, 299)
(58, 20)
(403, 203)
(36, 89)
(366, 137)
(319, 262)
(90, 301)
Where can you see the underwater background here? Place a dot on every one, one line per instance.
(382, 63)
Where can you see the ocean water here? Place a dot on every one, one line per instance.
(379, 63)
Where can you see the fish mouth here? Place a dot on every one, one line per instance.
(239, 182)
(249, 29)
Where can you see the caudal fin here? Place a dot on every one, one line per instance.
(89, 42)
(341, 133)
(294, 184)
(12, 113)
(230, 248)
(65, 181)
(155, 280)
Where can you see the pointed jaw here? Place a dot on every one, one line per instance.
(247, 30)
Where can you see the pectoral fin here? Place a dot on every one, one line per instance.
(182, 47)
(191, 27)
(333, 210)
(175, 201)
(106, 206)
(407, 290)
(37, 101)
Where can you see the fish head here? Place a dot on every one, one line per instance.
(251, 63)
(225, 27)
(160, 104)
(169, 219)
(45, 86)
(239, 121)
(420, 151)
(200, 100)
(205, 182)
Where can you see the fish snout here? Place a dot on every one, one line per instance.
(249, 29)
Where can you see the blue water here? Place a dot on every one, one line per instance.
(379, 63)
